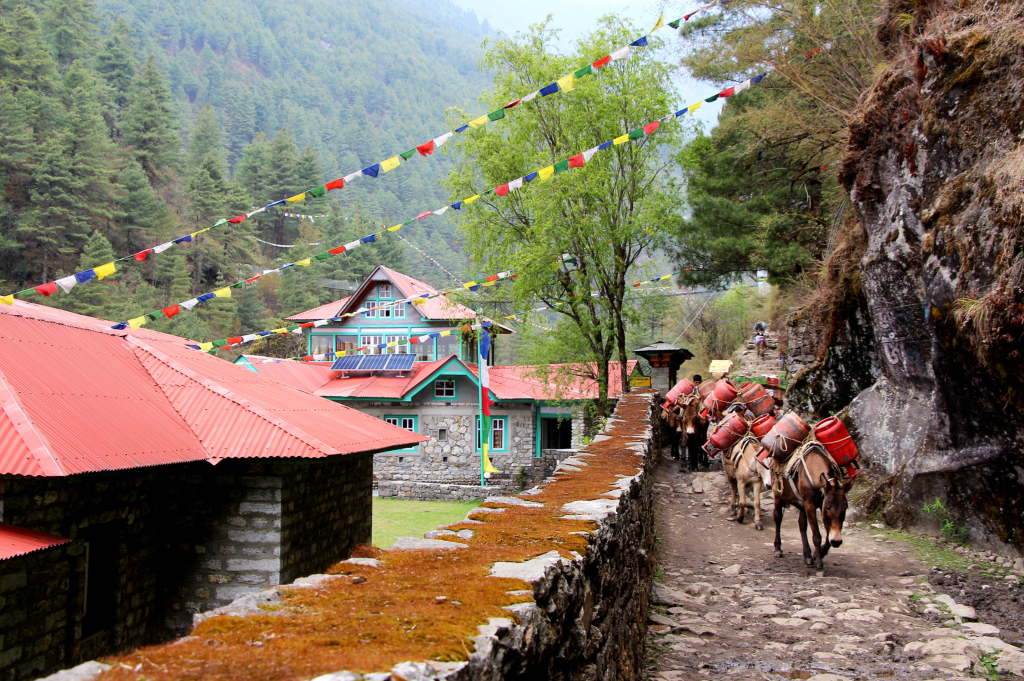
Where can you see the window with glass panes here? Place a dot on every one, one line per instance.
(406, 423)
(499, 433)
(384, 291)
(403, 345)
(444, 389)
(372, 341)
(320, 344)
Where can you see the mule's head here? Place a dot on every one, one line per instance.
(689, 416)
(833, 509)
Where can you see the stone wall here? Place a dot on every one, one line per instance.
(186, 539)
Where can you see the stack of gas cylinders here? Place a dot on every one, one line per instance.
(779, 437)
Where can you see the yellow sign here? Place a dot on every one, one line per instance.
(720, 366)
(640, 382)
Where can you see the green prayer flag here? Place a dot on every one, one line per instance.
(561, 166)
(711, 98)
(292, 327)
(495, 115)
(408, 222)
(585, 71)
(406, 155)
(222, 221)
(220, 343)
(154, 315)
(636, 134)
(674, 24)
(321, 256)
(318, 191)
(240, 284)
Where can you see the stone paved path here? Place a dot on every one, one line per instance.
(729, 608)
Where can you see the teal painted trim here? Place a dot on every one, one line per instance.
(415, 428)
(457, 370)
(536, 427)
(433, 385)
(494, 417)
(556, 416)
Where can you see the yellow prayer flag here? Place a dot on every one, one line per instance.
(567, 82)
(661, 22)
(471, 199)
(137, 322)
(7, 300)
(694, 107)
(104, 270)
(477, 122)
(395, 228)
(393, 344)
(279, 331)
(488, 466)
(389, 164)
(223, 292)
(621, 140)
(419, 301)
(298, 198)
(303, 263)
(545, 173)
(468, 284)
(195, 234)
(489, 283)
(445, 333)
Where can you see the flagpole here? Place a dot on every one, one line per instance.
(480, 428)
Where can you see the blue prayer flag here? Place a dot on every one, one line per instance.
(372, 170)
(604, 145)
(462, 129)
(206, 296)
(457, 205)
(549, 90)
(641, 42)
(757, 79)
(369, 239)
(530, 178)
(187, 237)
(84, 277)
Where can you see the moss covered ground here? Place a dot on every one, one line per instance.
(394, 518)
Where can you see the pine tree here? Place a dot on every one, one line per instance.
(27, 68)
(206, 138)
(149, 124)
(93, 298)
(71, 28)
(241, 121)
(173, 278)
(116, 63)
(252, 311)
(142, 213)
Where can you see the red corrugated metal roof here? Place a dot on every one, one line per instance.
(387, 387)
(17, 541)
(77, 397)
(305, 376)
(326, 311)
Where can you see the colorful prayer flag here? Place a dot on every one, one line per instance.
(694, 107)
(621, 53)
(567, 83)
(651, 127)
(549, 89)
(303, 263)
(603, 61)
(7, 300)
(297, 198)
(661, 22)
(46, 289)
(137, 322)
(477, 122)
(389, 164)
(471, 199)
(104, 271)
(426, 149)
(545, 173)
(335, 184)
(238, 218)
(162, 247)
(372, 171)
(497, 114)
(171, 311)
(621, 140)
(502, 190)
(576, 161)
(639, 42)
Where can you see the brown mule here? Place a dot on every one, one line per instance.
(693, 431)
(741, 469)
(828, 494)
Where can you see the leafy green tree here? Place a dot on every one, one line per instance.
(206, 138)
(149, 128)
(603, 215)
(116, 63)
(71, 28)
(142, 213)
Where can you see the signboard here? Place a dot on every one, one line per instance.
(640, 382)
(720, 366)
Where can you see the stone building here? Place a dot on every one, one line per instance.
(142, 482)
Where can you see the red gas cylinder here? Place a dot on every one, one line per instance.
(710, 449)
(785, 436)
(705, 388)
(722, 396)
(762, 405)
(683, 387)
(762, 425)
(832, 434)
(728, 432)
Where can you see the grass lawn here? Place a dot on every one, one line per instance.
(394, 518)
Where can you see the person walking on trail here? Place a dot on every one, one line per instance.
(783, 349)
(760, 345)
(760, 328)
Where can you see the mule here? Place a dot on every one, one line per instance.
(742, 469)
(694, 430)
(827, 494)
(760, 346)
(670, 429)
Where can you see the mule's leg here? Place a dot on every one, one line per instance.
(674, 438)
(757, 501)
(777, 514)
(735, 495)
(741, 505)
(693, 450)
(812, 512)
(803, 535)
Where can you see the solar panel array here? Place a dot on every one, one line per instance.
(402, 362)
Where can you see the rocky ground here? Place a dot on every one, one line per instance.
(726, 607)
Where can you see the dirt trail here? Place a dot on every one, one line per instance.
(726, 607)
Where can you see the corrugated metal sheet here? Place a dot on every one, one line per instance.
(325, 311)
(77, 397)
(17, 541)
(305, 376)
(384, 387)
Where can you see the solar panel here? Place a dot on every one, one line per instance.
(346, 363)
(401, 362)
(373, 362)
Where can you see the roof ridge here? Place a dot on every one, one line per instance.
(27, 430)
(226, 393)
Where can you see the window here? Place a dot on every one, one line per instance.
(442, 435)
(447, 346)
(399, 310)
(384, 291)
(406, 423)
(499, 430)
(425, 351)
(444, 389)
(384, 311)
(402, 348)
(371, 309)
(320, 344)
(372, 342)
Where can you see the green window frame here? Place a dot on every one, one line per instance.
(500, 429)
(454, 397)
(409, 422)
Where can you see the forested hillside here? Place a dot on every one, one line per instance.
(124, 124)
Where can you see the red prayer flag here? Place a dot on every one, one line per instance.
(171, 311)
(306, 325)
(502, 190)
(47, 288)
(423, 214)
(426, 149)
(728, 92)
(308, 358)
(576, 161)
(336, 251)
(142, 255)
(651, 127)
(337, 184)
(252, 279)
(235, 340)
(414, 340)
(687, 17)
(493, 277)
(603, 61)
(512, 104)
(813, 52)
(235, 220)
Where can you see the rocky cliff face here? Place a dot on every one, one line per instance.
(935, 170)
